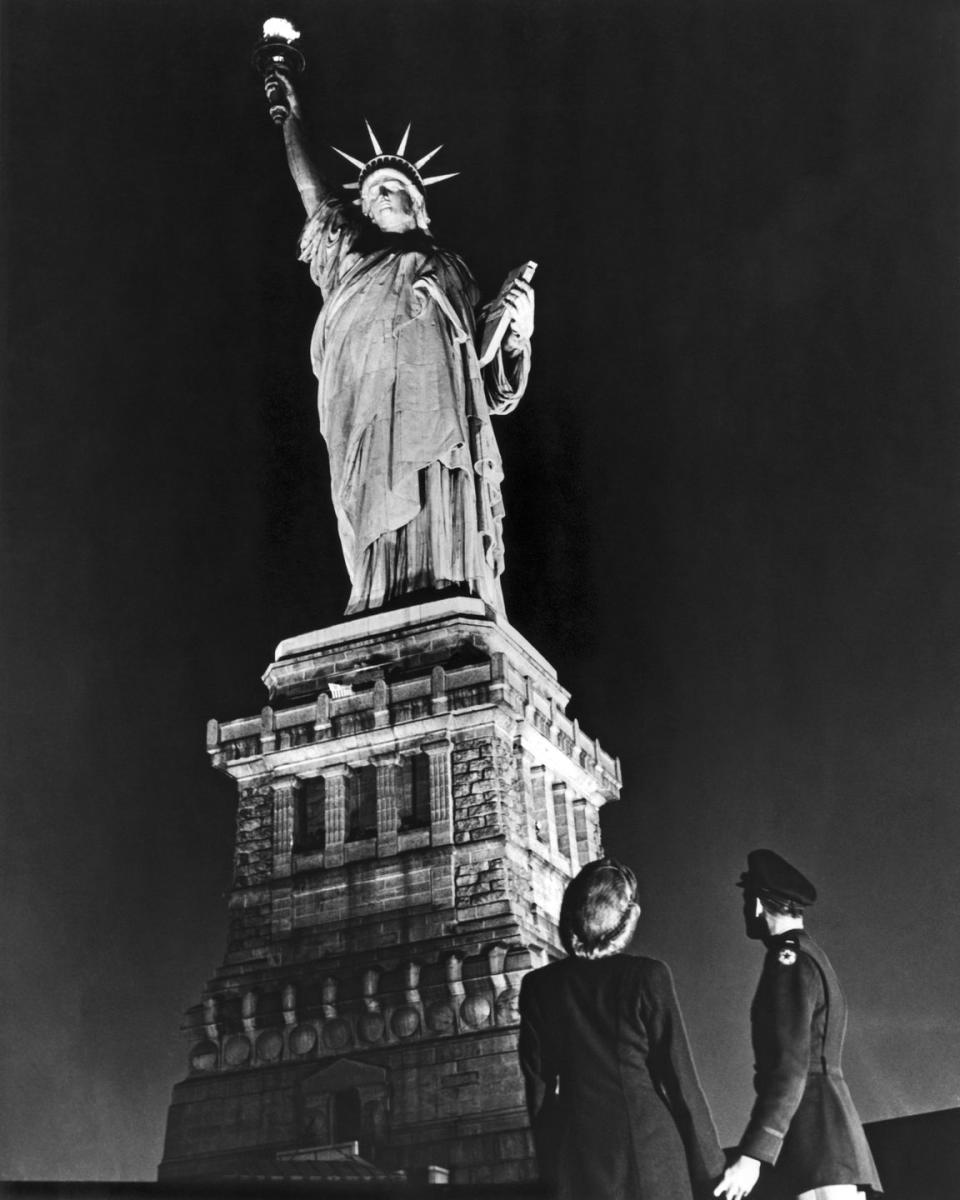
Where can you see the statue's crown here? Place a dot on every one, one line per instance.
(395, 162)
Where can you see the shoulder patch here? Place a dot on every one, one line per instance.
(787, 950)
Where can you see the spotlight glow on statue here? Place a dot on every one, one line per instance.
(404, 401)
(275, 53)
(279, 27)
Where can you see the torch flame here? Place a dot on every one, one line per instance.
(279, 27)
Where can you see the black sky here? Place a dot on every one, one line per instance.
(733, 489)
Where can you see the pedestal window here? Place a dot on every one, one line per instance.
(311, 820)
(361, 804)
(414, 799)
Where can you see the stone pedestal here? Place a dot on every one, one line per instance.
(412, 802)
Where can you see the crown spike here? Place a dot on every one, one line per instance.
(401, 149)
(377, 149)
(426, 158)
(349, 157)
(440, 178)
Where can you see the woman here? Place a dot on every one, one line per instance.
(615, 1104)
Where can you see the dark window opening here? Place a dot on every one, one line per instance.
(361, 815)
(414, 799)
(346, 1116)
(310, 817)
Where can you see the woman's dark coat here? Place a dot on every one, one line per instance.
(615, 1103)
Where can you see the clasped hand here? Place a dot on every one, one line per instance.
(739, 1179)
(519, 300)
(278, 79)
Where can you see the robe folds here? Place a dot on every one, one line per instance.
(405, 410)
(615, 1105)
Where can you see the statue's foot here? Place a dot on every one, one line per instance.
(420, 596)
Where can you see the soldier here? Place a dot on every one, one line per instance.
(803, 1121)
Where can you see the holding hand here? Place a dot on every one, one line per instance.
(281, 96)
(519, 301)
(739, 1179)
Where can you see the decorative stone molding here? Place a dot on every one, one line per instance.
(321, 721)
(438, 690)
(455, 986)
(371, 978)
(210, 1017)
(498, 677)
(289, 1004)
(329, 997)
(204, 1057)
(268, 734)
(248, 1010)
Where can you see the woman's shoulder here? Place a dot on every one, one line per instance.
(637, 965)
(547, 972)
(650, 973)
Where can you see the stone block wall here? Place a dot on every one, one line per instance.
(389, 964)
(252, 859)
(476, 791)
(250, 914)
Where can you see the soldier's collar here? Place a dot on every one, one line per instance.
(777, 941)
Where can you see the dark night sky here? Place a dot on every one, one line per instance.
(733, 489)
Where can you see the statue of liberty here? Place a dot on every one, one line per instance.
(404, 401)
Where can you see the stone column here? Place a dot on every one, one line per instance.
(334, 814)
(561, 813)
(581, 823)
(524, 763)
(441, 793)
(542, 808)
(284, 820)
(388, 819)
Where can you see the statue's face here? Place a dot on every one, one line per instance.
(388, 200)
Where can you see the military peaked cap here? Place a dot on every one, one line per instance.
(770, 875)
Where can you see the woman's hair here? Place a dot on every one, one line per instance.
(599, 912)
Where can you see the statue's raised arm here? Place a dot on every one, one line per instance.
(403, 401)
(311, 185)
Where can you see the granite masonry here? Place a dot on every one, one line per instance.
(411, 803)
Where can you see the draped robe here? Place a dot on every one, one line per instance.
(405, 410)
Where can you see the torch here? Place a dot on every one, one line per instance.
(275, 52)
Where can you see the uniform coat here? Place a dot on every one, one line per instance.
(803, 1120)
(615, 1104)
